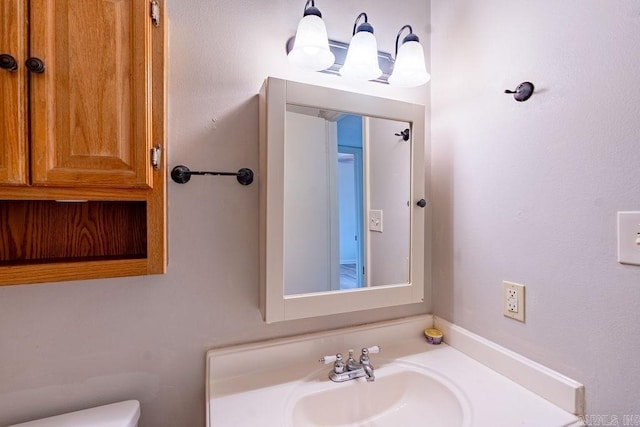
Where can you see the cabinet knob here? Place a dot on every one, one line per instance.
(8, 62)
(35, 65)
(422, 203)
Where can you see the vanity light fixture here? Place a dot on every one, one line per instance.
(362, 56)
(311, 47)
(409, 69)
(361, 60)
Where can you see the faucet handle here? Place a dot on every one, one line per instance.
(330, 359)
(372, 350)
(364, 357)
(338, 364)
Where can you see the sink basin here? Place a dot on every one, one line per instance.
(401, 395)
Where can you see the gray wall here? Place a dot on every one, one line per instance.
(528, 192)
(68, 346)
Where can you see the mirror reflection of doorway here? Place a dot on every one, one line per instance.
(350, 201)
(340, 169)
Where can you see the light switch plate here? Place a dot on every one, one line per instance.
(629, 238)
(375, 220)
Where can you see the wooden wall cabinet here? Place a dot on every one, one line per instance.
(79, 195)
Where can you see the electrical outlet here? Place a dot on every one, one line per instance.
(513, 300)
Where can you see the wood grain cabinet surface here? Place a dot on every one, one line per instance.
(81, 114)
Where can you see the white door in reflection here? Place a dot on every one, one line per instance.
(350, 202)
(350, 217)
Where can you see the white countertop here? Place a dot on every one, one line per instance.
(255, 384)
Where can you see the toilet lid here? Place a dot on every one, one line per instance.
(121, 414)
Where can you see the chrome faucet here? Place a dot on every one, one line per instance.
(351, 369)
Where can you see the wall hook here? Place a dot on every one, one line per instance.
(522, 92)
(182, 174)
(404, 134)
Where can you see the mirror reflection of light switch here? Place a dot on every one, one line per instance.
(375, 220)
(629, 238)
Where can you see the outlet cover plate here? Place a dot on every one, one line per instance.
(513, 300)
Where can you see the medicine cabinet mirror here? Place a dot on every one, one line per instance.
(342, 177)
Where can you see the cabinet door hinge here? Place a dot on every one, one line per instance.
(155, 13)
(156, 154)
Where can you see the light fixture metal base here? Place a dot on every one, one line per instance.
(339, 50)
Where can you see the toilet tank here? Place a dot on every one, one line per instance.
(121, 414)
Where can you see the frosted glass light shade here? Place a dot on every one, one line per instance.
(409, 69)
(362, 58)
(311, 47)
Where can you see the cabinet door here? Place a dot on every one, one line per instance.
(91, 107)
(13, 94)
